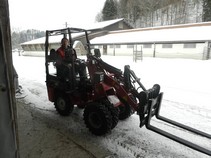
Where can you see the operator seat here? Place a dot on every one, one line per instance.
(52, 56)
(97, 53)
(80, 67)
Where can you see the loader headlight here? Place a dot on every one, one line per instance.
(154, 91)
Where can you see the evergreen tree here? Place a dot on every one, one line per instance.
(109, 10)
(206, 10)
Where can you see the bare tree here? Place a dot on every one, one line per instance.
(206, 10)
(99, 17)
(109, 11)
(130, 10)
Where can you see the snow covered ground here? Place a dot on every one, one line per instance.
(186, 85)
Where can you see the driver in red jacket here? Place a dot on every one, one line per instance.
(66, 58)
(63, 51)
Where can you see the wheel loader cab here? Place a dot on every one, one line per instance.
(70, 71)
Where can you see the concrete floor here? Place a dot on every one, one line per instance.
(38, 139)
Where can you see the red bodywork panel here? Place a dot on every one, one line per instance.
(120, 91)
(50, 93)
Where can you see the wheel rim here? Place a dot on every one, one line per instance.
(122, 109)
(61, 104)
(95, 120)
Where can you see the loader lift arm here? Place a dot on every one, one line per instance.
(149, 104)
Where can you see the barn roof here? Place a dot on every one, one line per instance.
(198, 32)
(89, 27)
(104, 24)
(53, 39)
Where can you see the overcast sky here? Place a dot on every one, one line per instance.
(52, 14)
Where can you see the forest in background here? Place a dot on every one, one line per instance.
(149, 13)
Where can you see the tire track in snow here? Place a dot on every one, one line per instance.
(191, 108)
(125, 147)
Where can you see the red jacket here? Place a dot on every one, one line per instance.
(61, 52)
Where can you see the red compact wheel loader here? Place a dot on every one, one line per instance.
(106, 93)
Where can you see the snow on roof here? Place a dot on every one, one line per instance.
(52, 39)
(194, 33)
(199, 32)
(35, 41)
(103, 24)
(93, 26)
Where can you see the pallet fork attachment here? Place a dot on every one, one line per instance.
(154, 109)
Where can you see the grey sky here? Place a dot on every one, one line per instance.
(48, 14)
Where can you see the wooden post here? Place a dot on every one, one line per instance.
(154, 50)
(209, 51)
(206, 51)
(114, 53)
(141, 53)
(133, 54)
(136, 53)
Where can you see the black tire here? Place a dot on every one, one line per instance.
(125, 111)
(114, 112)
(98, 118)
(63, 105)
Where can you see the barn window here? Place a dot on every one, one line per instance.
(129, 46)
(189, 45)
(100, 46)
(147, 46)
(43, 47)
(116, 46)
(167, 45)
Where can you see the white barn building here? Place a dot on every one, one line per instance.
(176, 41)
(37, 47)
